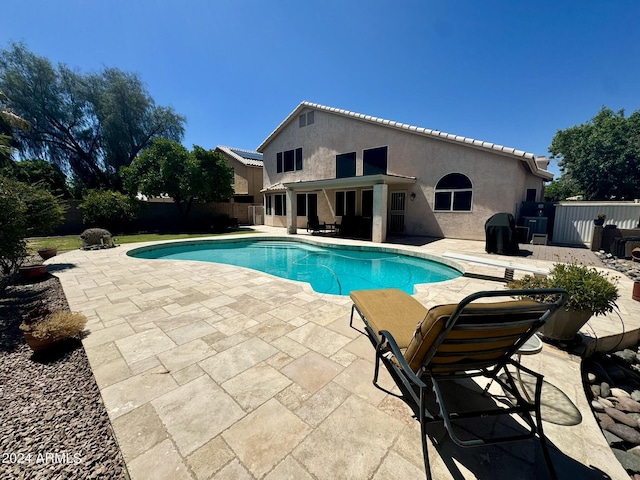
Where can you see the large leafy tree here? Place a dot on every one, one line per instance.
(88, 125)
(38, 172)
(561, 189)
(602, 156)
(168, 168)
(9, 123)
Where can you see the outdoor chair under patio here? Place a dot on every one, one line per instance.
(423, 348)
(315, 225)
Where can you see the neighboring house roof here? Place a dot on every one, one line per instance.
(276, 187)
(248, 157)
(529, 159)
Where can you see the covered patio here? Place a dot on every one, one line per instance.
(380, 184)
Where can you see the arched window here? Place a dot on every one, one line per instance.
(453, 193)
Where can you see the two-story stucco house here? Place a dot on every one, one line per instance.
(247, 173)
(389, 176)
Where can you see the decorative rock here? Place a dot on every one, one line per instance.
(591, 377)
(606, 402)
(635, 395)
(618, 392)
(605, 389)
(621, 417)
(635, 450)
(604, 420)
(627, 356)
(597, 406)
(626, 433)
(629, 461)
(595, 390)
(612, 439)
(627, 405)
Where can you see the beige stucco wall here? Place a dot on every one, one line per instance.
(499, 181)
(247, 180)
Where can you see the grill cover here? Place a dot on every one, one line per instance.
(501, 235)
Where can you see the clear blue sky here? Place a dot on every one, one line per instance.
(510, 72)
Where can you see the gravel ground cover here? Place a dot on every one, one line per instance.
(53, 424)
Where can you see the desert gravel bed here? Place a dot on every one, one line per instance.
(53, 424)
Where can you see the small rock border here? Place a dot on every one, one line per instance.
(54, 424)
(613, 388)
(627, 267)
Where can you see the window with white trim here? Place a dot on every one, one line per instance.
(289, 160)
(307, 204)
(276, 204)
(454, 193)
(346, 202)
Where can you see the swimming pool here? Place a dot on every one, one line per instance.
(328, 269)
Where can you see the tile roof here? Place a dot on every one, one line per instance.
(276, 187)
(529, 158)
(250, 158)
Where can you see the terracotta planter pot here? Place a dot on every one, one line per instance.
(564, 324)
(47, 253)
(38, 344)
(636, 291)
(32, 272)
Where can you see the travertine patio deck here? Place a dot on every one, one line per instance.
(211, 371)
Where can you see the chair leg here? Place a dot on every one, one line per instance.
(423, 434)
(353, 308)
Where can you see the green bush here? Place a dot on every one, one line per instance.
(109, 209)
(44, 212)
(25, 210)
(588, 289)
(13, 248)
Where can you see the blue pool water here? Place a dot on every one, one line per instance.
(330, 270)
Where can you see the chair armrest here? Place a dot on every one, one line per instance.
(392, 344)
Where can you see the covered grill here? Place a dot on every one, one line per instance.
(501, 235)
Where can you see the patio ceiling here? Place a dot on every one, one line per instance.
(350, 182)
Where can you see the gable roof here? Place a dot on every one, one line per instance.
(247, 157)
(528, 159)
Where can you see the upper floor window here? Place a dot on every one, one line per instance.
(375, 161)
(346, 165)
(306, 119)
(453, 193)
(289, 161)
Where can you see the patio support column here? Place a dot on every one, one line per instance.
(292, 212)
(379, 227)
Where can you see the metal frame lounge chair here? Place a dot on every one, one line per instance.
(315, 225)
(423, 348)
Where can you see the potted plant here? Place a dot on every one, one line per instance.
(590, 293)
(40, 332)
(599, 220)
(48, 252)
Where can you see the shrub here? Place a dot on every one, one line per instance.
(96, 236)
(108, 208)
(44, 212)
(588, 289)
(13, 248)
(58, 325)
(24, 210)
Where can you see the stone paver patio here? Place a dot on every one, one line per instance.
(211, 371)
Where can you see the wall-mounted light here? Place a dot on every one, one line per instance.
(412, 196)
